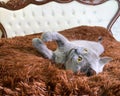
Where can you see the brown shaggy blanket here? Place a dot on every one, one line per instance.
(24, 72)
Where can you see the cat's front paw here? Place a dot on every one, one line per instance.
(37, 41)
(48, 36)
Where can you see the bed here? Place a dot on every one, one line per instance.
(24, 72)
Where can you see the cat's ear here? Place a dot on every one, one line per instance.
(105, 60)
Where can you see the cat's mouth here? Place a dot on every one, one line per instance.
(88, 71)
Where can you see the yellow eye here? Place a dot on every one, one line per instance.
(85, 50)
(79, 59)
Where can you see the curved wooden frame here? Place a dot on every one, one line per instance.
(4, 34)
(115, 17)
(19, 4)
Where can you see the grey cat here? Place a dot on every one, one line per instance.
(78, 55)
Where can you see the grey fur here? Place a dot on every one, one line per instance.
(70, 53)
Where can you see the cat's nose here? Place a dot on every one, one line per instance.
(90, 72)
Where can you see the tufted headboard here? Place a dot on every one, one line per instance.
(23, 17)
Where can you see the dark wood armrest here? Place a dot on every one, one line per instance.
(4, 35)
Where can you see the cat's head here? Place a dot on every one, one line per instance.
(82, 59)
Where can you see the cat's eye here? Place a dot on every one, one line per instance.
(79, 59)
(85, 50)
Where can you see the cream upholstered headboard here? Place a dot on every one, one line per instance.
(23, 17)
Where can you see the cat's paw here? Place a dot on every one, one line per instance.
(48, 36)
(37, 41)
(42, 48)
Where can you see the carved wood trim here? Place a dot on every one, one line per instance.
(18, 4)
(115, 17)
(4, 34)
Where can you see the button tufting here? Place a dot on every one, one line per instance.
(63, 13)
(38, 22)
(53, 13)
(23, 14)
(14, 15)
(43, 14)
(55, 17)
(10, 24)
(78, 21)
(33, 14)
(84, 12)
(73, 12)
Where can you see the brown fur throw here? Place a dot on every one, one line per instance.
(24, 72)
